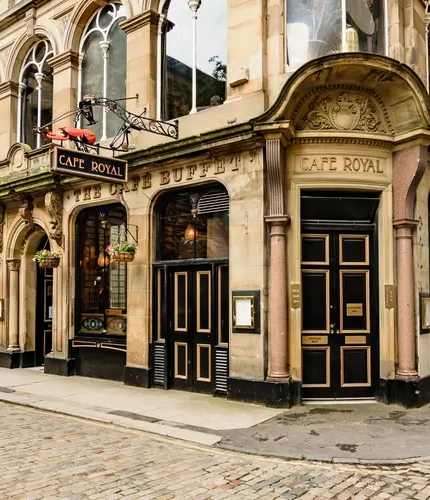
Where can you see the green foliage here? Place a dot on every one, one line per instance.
(44, 255)
(123, 246)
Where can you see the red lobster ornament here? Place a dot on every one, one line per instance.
(74, 134)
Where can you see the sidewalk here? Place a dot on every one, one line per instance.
(362, 433)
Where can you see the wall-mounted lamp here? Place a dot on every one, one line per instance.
(191, 232)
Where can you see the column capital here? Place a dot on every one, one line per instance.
(8, 89)
(66, 60)
(13, 264)
(405, 223)
(149, 17)
(278, 220)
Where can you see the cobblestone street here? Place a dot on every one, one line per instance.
(48, 456)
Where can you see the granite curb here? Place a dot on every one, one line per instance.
(202, 437)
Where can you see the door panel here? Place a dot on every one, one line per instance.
(339, 329)
(44, 314)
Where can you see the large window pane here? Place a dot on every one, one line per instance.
(211, 50)
(315, 28)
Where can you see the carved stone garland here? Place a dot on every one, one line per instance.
(54, 207)
(342, 111)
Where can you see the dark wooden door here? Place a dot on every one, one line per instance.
(192, 328)
(339, 315)
(44, 313)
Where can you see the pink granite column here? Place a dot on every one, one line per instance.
(409, 166)
(278, 367)
(406, 368)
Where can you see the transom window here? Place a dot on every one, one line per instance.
(103, 65)
(180, 49)
(193, 225)
(35, 94)
(316, 28)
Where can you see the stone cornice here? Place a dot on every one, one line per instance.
(64, 61)
(9, 88)
(148, 17)
(18, 12)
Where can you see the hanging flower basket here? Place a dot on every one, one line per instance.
(121, 252)
(47, 259)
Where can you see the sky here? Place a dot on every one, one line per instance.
(211, 33)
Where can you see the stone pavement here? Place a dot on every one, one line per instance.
(51, 457)
(360, 433)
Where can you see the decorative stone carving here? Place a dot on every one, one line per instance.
(344, 111)
(5, 53)
(13, 264)
(62, 19)
(30, 17)
(54, 207)
(26, 211)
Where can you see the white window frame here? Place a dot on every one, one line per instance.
(119, 12)
(39, 75)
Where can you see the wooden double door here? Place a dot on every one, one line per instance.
(44, 314)
(339, 337)
(197, 319)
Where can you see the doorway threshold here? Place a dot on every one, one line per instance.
(346, 401)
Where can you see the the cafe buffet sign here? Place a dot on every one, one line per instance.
(79, 164)
(307, 164)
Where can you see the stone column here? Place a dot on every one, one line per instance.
(278, 336)
(8, 106)
(142, 62)
(278, 340)
(406, 368)
(408, 169)
(13, 265)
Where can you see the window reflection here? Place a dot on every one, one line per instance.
(315, 28)
(211, 49)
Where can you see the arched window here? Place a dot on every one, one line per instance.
(316, 28)
(101, 284)
(194, 62)
(104, 64)
(35, 94)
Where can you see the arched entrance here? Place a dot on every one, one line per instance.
(191, 290)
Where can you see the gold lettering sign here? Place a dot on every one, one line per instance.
(296, 297)
(354, 309)
(363, 164)
(314, 339)
(355, 339)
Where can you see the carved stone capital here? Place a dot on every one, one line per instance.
(66, 60)
(54, 207)
(148, 17)
(13, 264)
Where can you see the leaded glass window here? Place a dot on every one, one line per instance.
(35, 94)
(104, 65)
(102, 284)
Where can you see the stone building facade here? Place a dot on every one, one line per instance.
(282, 238)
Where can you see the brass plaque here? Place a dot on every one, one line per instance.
(389, 296)
(314, 339)
(355, 339)
(296, 296)
(354, 309)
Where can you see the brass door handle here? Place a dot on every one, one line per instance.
(331, 327)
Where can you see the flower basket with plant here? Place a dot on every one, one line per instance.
(122, 252)
(46, 258)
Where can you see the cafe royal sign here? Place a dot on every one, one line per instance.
(68, 161)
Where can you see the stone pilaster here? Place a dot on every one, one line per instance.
(142, 62)
(13, 265)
